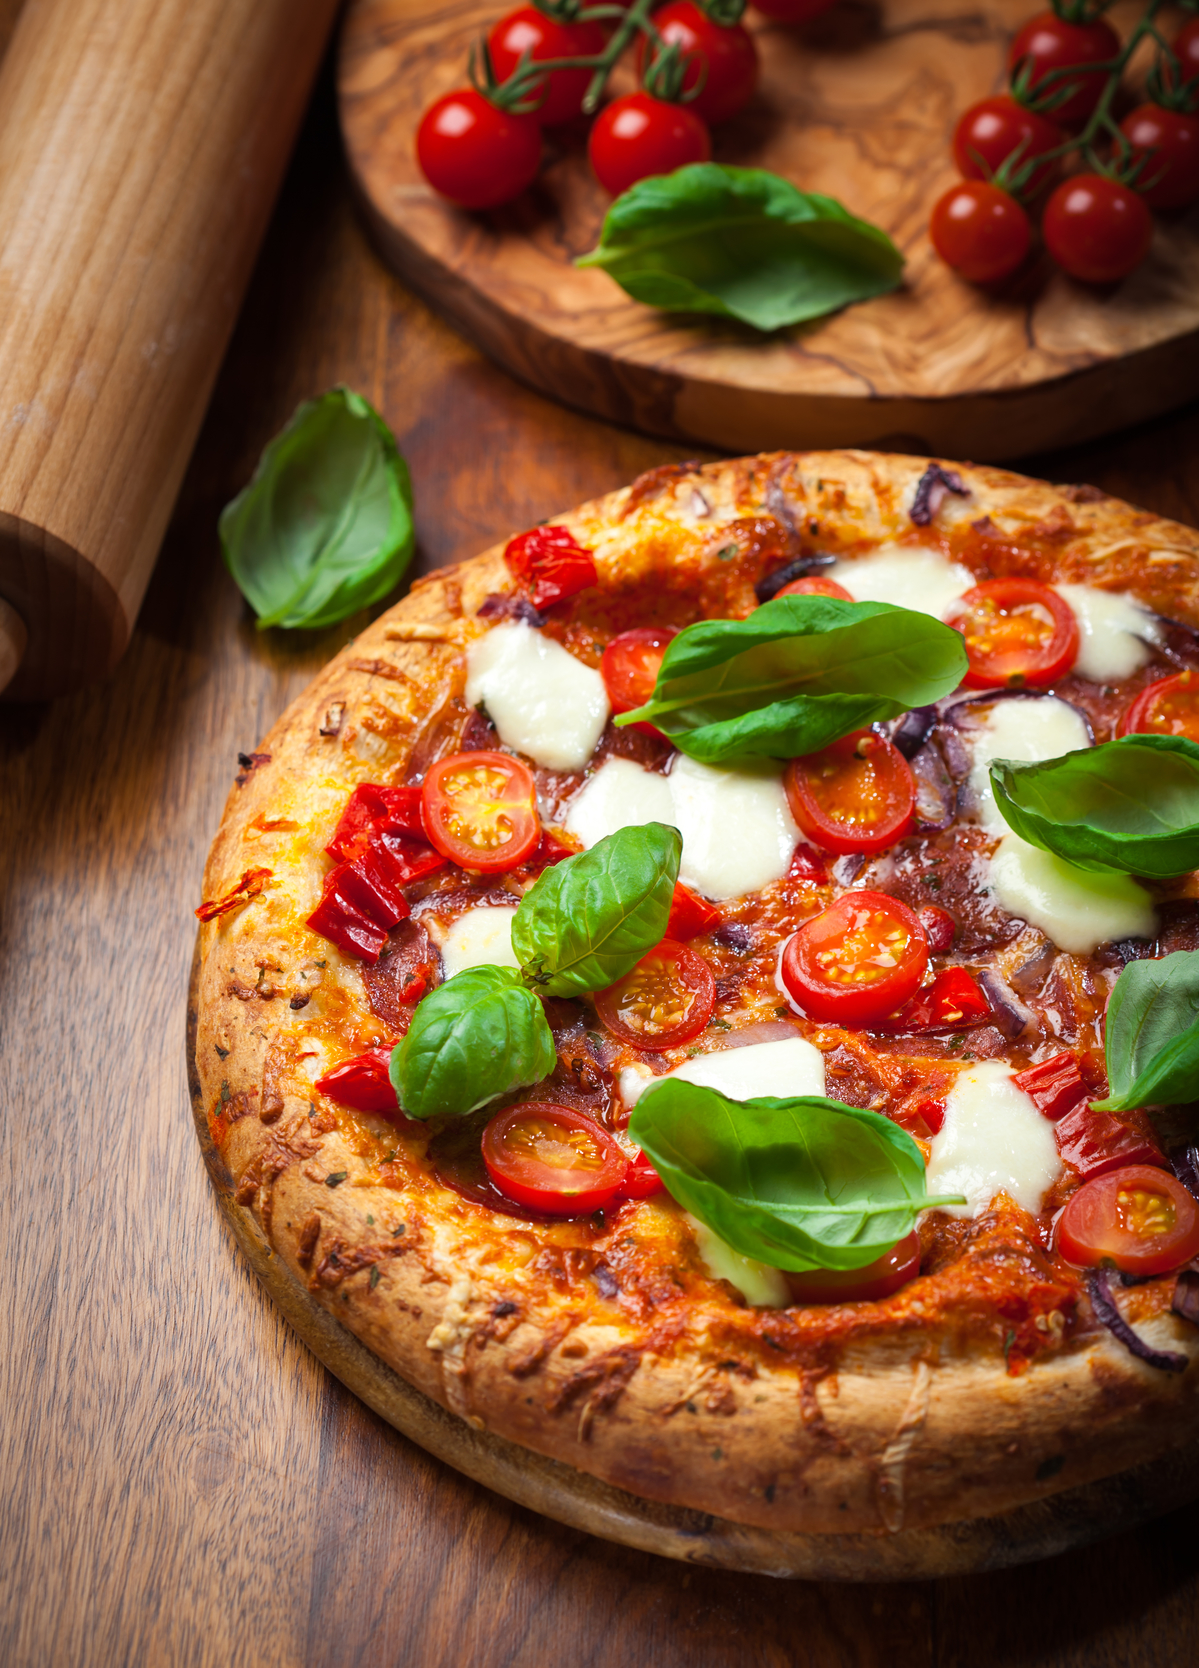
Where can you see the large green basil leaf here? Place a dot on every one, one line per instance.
(743, 243)
(475, 1037)
(800, 1184)
(592, 917)
(1130, 804)
(325, 526)
(799, 673)
(1151, 1034)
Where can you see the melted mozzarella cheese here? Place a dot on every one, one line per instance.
(906, 576)
(542, 701)
(1020, 729)
(993, 1140)
(1078, 910)
(789, 1066)
(759, 1285)
(480, 938)
(1114, 632)
(620, 795)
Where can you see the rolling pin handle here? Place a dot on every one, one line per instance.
(13, 641)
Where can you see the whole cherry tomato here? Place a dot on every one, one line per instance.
(551, 564)
(994, 129)
(1047, 42)
(1169, 707)
(629, 668)
(857, 961)
(663, 1003)
(551, 1158)
(529, 30)
(980, 231)
(1186, 49)
(480, 810)
(1097, 229)
(886, 1274)
(814, 586)
(1140, 1218)
(639, 135)
(729, 54)
(857, 795)
(1169, 140)
(792, 11)
(474, 153)
(1017, 631)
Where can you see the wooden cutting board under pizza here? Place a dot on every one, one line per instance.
(697, 1011)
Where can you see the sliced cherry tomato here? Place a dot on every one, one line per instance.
(814, 586)
(1168, 140)
(723, 56)
(690, 914)
(1096, 229)
(551, 1158)
(551, 564)
(940, 928)
(953, 1001)
(629, 667)
(857, 961)
(1096, 1142)
(792, 11)
(480, 810)
(665, 1001)
(1140, 1218)
(1169, 707)
(980, 231)
(530, 30)
(1017, 632)
(1048, 42)
(997, 128)
(886, 1274)
(474, 153)
(639, 135)
(857, 795)
(1055, 1085)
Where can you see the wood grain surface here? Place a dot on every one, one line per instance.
(860, 105)
(180, 1481)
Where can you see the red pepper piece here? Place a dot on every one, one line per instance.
(940, 928)
(952, 1002)
(249, 886)
(370, 883)
(690, 914)
(338, 918)
(641, 1180)
(362, 1083)
(1095, 1142)
(1056, 1085)
(406, 860)
(808, 864)
(548, 851)
(372, 809)
(551, 564)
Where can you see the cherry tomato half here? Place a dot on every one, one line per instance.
(639, 135)
(629, 667)
(480, 810)
(1169, 707)
(1140, 1218)
(1047, 42)
(813, 586)
(727, 51)
(665, 1001)
(857, 961)
(857, 795)
(1169, 142)
(532, 31)
(1017, 632)
(980, 231)
(1096, 229)
(994, 129)
(474, 153)
(552, 1158)
(886, 1274)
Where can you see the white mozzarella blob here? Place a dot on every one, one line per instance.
(1078, 910)
(480, 938)
(759, 1285)
(620, 795)
(542, 701)
(1020, 729)
(906, 576)
(993, 1140)
(789, 1066)
(1113, 632)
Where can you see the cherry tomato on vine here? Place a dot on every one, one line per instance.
(1169, 142)
(529, 30)
(857, 961)
(1048, 42)
(1097, 229)
(994, 129)
(551, 1158)
(639, 135)
(792, 11)
(1140, 1218)
(980, 231)
(629, 668)
(857, 795)
(480, 810)
(1169, 707)
(886, 1274)
(665, 1001)
(474, 153)
(813, 586)
(1185, 48)
(728, 52)
(1017, 631)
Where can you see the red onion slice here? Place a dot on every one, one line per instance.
(931, 489)
(1099, 1285)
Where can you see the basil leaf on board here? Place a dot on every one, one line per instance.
(799, 1184)
(1130, 804)
(325, 526)
(475, 1037)
(743, 243)
(589, 919)
(1151, 1034)
(798, 674)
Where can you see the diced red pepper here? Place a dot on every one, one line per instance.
(548, 851)
(952, 1002)
(551, 564)
(249, 886)
(1095, 1142)
(338, 918)
(362, 1083)
(1055, 1085)
(690, 914)
(808, 864)
(372, 809)
(370, 883)
(408, 860)
(641, 1180)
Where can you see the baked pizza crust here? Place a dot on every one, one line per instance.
(905, 1430)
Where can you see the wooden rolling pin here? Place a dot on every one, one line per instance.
(142, 143)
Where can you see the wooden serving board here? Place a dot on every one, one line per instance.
(1073, 1518)
(861, 105)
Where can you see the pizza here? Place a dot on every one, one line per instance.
(643, 997)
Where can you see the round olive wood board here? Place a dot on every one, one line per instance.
(861, 105)
(1072, 1518)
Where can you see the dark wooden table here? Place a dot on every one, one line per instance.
(181, 1481)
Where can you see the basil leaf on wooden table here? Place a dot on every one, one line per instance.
(325, 526)
(798, 674)
(475, 1037)
(589, 919)
(799, 1184)
(743, 243)
(1130, 804)
(1151, 1034)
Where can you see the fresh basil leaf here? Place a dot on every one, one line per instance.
(801, 1183)
(798, 674)
(1151, 1034)
(473, 1038)
(743, 243)
(325, 526)
(1130, 804)
(591, 918)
